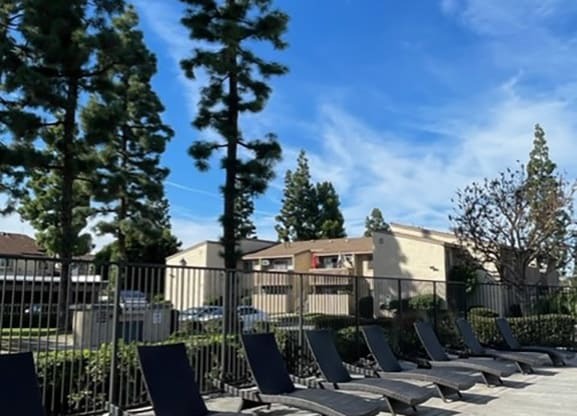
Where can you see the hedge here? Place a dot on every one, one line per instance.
(550, 330)
(78, 381)
(482, 312)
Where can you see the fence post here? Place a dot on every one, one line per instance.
(400, 312)
(435, 307)
(113, 390)
(301, 321)
(357, 317)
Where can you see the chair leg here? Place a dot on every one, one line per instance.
(524, 368)
(445, 391)
(491, 379)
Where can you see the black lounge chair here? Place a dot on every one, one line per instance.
(387, 365)
(397, 394)
(169, 380)
(523, 361)
(491, 371)
(276, 386)
(557, 356)
(19, 387)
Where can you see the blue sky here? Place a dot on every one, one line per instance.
(398, 103)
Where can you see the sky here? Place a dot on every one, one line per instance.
(397, 103)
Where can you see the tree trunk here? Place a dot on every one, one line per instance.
(68, 174)
(230, 300)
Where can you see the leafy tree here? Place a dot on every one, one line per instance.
(237, 85)
(300, 210)
(375, 222)
(244, 209)
(50, 63)
(495, 220)
(330, 221)
(124, 123)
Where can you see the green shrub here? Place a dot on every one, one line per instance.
(551, 330)
(78, 381)
(426, 302)
(482, 312)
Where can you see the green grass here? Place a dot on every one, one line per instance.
(27, 332)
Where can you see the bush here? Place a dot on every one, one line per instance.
(77, 381)
(426, 302)
(550, 330)
(480, 311)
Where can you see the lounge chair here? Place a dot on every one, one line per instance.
(387, 365)
(523, 361)
(169, 380)
(491, 371)
(557, 357)
(276, 386)
(397, 394)
(19, 388)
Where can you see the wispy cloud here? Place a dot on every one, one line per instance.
(412, 176)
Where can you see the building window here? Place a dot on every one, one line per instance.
(6, 264)
(277, 264)
(275, 290)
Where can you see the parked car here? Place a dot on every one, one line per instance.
(200, 313)
(248, 315)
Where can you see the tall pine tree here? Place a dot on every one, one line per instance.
(330, 221)
(237, 85)
(52, 64)
(124, 123)
(544, 187)
(297, 220)
(375, 222)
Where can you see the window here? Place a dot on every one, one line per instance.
(281, 264)
(275, 290)
(6, 264)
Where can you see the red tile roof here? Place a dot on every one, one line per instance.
(12, 244)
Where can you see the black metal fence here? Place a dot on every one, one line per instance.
(86, 358)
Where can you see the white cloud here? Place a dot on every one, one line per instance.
(414, 181)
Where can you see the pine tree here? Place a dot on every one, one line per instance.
(375, 222)
(124, 123)
(544, 187)
(236, 85)
(244, 209)
(297, 220)
(330, 221)
(51, 64)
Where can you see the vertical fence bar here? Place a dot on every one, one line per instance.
(357, 317)
(113, 390)
(399, 312)
(435, 306)
(300, 351)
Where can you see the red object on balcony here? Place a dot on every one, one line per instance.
(314, 262)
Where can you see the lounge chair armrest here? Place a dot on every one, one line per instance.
(457, 353)
(310, 382)
(408, 365)
(369, 372)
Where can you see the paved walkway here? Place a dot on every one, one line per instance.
(551, 392)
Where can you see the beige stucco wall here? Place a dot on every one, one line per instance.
(186, 287)
(406, 257)
(409, 258)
